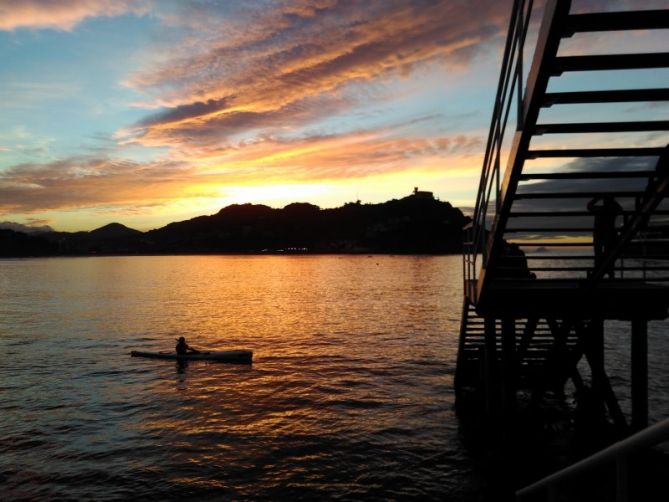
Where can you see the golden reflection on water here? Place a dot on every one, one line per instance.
(349, 373)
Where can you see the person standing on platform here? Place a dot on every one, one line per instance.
(604, 234)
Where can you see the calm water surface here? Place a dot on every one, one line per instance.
(349, 397)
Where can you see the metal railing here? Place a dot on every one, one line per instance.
(618, 452)
(510, 86)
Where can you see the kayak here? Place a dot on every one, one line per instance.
(224, 356)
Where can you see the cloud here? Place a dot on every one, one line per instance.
(337, 157)
(35, 225)
(167, 129)
(88, 182)
(242, 91)
(62, 14)
(207, 171)
(268, 64)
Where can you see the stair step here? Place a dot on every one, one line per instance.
(576, 195)
(595, 152)
(610, 62)
(537, 336)
(618, 96)
(478, 328)
(560, 269)
(602, 127)
(590, 175)
(544, 343)
(543, 229)
(616, 21)
(563, 214)
(572, 244)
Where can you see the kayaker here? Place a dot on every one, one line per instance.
(183, 348)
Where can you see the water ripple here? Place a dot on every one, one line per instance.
(349, 396)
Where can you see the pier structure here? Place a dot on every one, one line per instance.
(570, 227)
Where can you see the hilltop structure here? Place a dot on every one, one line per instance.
(418, 194)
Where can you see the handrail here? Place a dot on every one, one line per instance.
(510, 81)
(618, 452)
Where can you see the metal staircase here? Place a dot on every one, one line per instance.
(535, 293)
(527, 206)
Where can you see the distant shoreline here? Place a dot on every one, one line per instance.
(249, 253)
(417, 224)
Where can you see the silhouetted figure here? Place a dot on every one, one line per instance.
(183, 348)
(513, 263)
(604, 233)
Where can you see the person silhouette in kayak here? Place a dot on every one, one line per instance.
(183, 348)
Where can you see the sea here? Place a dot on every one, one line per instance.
(349, 397)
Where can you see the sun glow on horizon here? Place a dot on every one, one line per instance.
(164, 116)
(282, 194)
(172, 110)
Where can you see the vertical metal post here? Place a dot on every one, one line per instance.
(465, 275)
(490, 364)
(639, 375)
(600, 382)
(509, 368)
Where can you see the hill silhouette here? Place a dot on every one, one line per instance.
(414, 224)
(113, 231)
(13, 243)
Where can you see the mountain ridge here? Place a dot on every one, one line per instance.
(418, 223)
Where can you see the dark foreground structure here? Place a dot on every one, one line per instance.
(553, 253)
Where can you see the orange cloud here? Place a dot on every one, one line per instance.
(62, 14)
(208, 172)
(89, 182)
(289, 58)
(347, 156)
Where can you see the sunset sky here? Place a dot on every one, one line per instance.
(146, 112)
